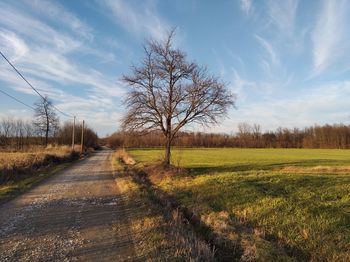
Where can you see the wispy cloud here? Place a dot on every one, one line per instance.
(76, 58)
(55, 12)
(329, 36)
(45, 54)
(324, 104)
(273, 57)
(139, 18)
(283, 14)
(239, 86)
(97, 106)
(41, 51)
(12, 44)
(247, 6)
(33, 29)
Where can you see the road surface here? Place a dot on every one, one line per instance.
(76, 215)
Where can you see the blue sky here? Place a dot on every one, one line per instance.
(287, 61)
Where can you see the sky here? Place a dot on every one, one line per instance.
(288, 62)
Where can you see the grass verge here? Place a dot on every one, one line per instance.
(160, 233)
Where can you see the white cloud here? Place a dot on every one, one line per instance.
(45, 55)
(241, 86)
(247, 6)
(283, 14)
(101, 114)
(99, 109)
(12, 44)
(35, 30)
(56, 12)
(328, 103)
(23, 114)
(329, 36)
(266, 67)
(269, 49)
(139, 18)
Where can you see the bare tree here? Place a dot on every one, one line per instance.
(6, 130)
(168, 92)
(64, 135)
(256, 130)
(46, 120)
(244, 134)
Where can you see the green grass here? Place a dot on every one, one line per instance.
(267, 202)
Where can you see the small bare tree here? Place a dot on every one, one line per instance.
(167, 92)
(6, 130)
(46, 120)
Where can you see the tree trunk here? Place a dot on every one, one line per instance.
(168, 137)
(47, 131)
(167, 152)
(46, 137)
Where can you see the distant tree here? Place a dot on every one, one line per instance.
(256, 130)
(64, 135)
(168, 92)
(6, 130)
(245, 134)
(45, 119)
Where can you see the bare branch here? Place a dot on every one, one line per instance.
(167, 92)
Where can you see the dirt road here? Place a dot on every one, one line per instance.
(78, 214)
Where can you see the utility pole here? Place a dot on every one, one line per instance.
(82, 138)
(73, 135)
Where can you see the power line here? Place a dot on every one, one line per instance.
(67, 115)
(19, 101)
(19, 73)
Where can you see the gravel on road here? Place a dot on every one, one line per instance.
(76, 215)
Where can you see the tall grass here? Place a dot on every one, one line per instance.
(15, 166)
(159, 233)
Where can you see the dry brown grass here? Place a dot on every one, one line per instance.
(27, 158)
(159, 234)
(157, 172)
(16, 165)
(124, 157)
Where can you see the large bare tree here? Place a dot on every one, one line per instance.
(46, 120)
(167, 92)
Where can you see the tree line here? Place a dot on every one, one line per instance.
(20, 134)
(43, 129)
(247, 136)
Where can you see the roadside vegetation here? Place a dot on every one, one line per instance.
(25, 156)
(13, 163)
(159, 233)
(22, 169)
(290, 204)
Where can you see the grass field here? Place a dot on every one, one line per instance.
(293, 204)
